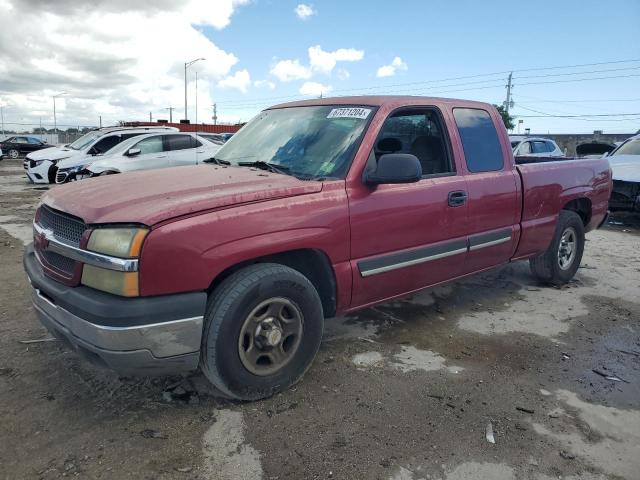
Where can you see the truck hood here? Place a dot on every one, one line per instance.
(154, 196)
(626, 172)
(53, 153)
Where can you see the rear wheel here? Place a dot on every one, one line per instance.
(560, 262)
(263, 328)
(13, 153)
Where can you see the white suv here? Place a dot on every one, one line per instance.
(150, 151)
(41, 166)
(535, 147)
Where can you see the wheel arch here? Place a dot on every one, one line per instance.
(582, 206)
(310, 262)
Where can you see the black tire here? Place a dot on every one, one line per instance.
(53, 171)
(229, 308)
(13, 153)
(547, 267)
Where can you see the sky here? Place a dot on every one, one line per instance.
(575, 63)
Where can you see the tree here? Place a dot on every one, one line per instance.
(506, 118)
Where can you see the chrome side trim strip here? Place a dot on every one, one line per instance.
(489, 244)
(166, 339)
(409, 263)
(85, 256)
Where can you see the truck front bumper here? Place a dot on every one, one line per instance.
(133, 336)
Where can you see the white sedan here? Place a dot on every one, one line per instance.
(535, 147)
(144, 152)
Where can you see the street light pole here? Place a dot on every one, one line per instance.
(55, 120)
(187, 64)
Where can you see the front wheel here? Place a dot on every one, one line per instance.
(263, 328)
(560, 262)
(13, 153)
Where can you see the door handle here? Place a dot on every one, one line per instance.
(457, 198)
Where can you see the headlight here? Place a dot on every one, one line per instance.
(117, 242)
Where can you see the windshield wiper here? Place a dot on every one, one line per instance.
(271, 167)
(217, 161)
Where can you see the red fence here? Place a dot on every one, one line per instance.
(189, 127)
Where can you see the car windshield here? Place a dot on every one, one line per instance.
(632, 147)
(86, 140)
(306, 142)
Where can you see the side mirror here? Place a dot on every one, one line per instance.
(132, 152)
(395, 168)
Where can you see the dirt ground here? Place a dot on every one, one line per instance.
(408, 390)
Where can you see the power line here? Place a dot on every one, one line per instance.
(247, 102)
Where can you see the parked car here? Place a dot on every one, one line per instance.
(21, 145)
(625, 167)
(535, 147)
(594, 149)
(216, 138)
(143, 152)
(41, 166)
(314, 208)
(1, 154)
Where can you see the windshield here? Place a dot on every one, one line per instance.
(86, 140)
(631, 147)
(307, 142)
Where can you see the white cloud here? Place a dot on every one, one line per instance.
(320, 61)
(315, 89)
(288, 70)
(118, 59)
(324, 62)
(391, 69)
(241, 80)
(264, 84)
(304, 11)
(343, 74)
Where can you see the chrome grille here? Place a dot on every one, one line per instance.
(64, 227)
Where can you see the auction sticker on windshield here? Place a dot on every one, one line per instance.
(349, 113)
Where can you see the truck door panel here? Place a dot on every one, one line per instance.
(406, 237)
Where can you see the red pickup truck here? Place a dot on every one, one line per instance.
(313, 209)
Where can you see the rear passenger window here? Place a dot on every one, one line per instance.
(540, 147)
(482, 149)
(180, 142)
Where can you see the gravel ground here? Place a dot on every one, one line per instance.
(408, 390)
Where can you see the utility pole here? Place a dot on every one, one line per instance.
(100, 121)
(508, 102)
(215, 114)
(2, 118)
(55, 120)
(150, 117)
(171, 109)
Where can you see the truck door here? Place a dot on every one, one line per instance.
(408, 236)
(492, 185)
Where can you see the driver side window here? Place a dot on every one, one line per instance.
(150, 145)
(419, 132)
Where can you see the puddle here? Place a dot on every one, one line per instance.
(616, 451)
(226, 454)
(409, 359)
(367, 359)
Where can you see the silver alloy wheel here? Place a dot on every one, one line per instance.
(567, 248)
(270, 336)
(13, 153)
